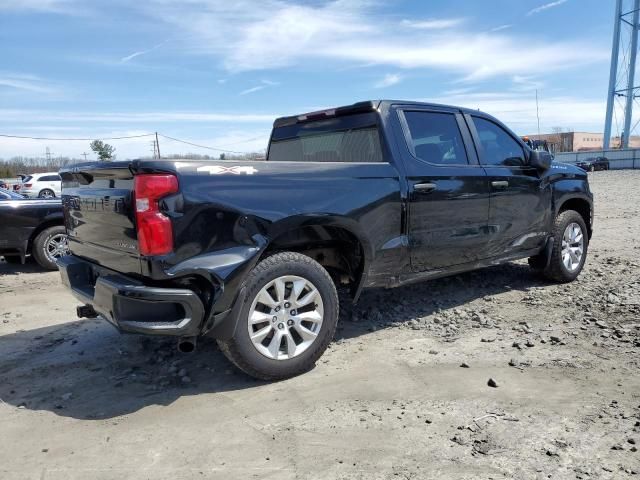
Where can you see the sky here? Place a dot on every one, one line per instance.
(217, 73)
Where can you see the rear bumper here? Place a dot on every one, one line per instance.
(130, 305)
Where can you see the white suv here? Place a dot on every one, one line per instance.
(42, 185)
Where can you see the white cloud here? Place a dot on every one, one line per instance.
(518, 110)
(546, 6)
(499, 28)
(257, 88)
(28, 116)
(249, 35)
(61, 7)
(526, 83)
(252, 89)
(388, 80)
(433, 24)
(35, 5)
(25, 82)
(142, 52)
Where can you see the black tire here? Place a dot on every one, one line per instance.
(556, 270)
(46, 193)
(40, 245)
(13, 259)
(240, 349)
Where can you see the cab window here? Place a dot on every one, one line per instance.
(498, 146)
(436, 138)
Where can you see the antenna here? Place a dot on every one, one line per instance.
(538, 113)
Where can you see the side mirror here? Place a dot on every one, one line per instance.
(540, 160)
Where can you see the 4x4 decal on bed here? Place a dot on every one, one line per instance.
(220, 170)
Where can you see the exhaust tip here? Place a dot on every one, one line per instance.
(187, 345)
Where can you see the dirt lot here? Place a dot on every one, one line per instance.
(391, 398)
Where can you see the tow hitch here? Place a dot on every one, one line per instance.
(86, 311)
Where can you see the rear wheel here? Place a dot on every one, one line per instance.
(46, 193)
(288, 318)
(49, 245)
(570, 244)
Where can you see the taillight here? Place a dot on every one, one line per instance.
(155, 235)
(26, 185)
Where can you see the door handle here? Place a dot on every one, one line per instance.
(500, 184)
(425, 187)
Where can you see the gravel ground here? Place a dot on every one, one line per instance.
(403, 392)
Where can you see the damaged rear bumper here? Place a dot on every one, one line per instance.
(130, 305)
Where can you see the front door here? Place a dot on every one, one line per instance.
(448, 190)
(520, 201)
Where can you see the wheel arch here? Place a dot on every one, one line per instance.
(336, 243)
(581, 205)
(46, 188)
(50, 222)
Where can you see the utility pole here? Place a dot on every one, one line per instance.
(632, 73)
(48, 154)
(158, 143)
(622, 83)
(85, 155)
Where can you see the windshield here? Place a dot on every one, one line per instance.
(26, 179)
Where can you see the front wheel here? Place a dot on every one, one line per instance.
(288, 318)
(570, 244)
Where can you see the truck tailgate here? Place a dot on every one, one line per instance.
(99, 215)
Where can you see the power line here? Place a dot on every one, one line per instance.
(246, 140)
(200, 146)
(155, 142)
(76, 139)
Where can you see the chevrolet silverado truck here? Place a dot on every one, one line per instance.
(375, 194)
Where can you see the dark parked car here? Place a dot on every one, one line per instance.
(592, 164)
(31, 227)
(375, 194)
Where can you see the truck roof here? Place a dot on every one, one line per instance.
(358, 107)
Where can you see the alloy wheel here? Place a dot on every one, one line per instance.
(572, 247)
(57, 246)
(285, 317)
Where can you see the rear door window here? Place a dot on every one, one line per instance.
(436, 138)
(49, 178)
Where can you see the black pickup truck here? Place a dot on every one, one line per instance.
(31, 227)
(376, 194)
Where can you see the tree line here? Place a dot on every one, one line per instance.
(11, 167)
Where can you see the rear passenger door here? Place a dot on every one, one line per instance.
(520, 201)
(448, 190)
